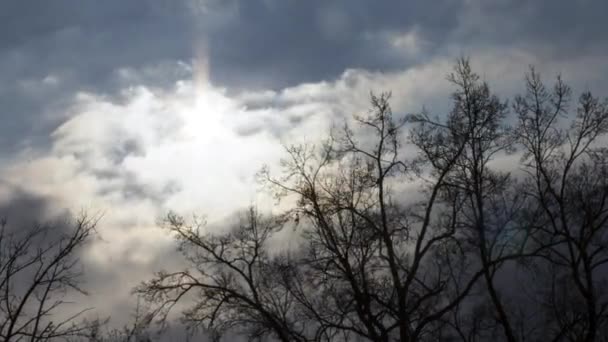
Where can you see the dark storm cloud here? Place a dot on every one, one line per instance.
(80, 45)
(24, 210)
(562, 28)
(51, 49)
(279, 43)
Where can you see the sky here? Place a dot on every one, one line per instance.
(130, 109)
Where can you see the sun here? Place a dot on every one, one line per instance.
(205, 108)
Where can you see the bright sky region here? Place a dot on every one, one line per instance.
(134, 108)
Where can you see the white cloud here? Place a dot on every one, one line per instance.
(410, 43)
(195, 148)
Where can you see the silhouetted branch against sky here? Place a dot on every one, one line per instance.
(396, 190)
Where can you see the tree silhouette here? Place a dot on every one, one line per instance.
(424, 246)
(38, 266)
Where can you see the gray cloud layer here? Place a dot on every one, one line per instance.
(50, 49)
(95, 95)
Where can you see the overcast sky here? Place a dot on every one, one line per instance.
(131, 108)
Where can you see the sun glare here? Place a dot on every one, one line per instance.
(205, 108)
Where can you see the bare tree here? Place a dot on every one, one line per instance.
(232, 280)
(484, 197)
(39, 267)
(137, 330)
(388, 257)
(421, 248)
(372, 267)
(566, 166)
